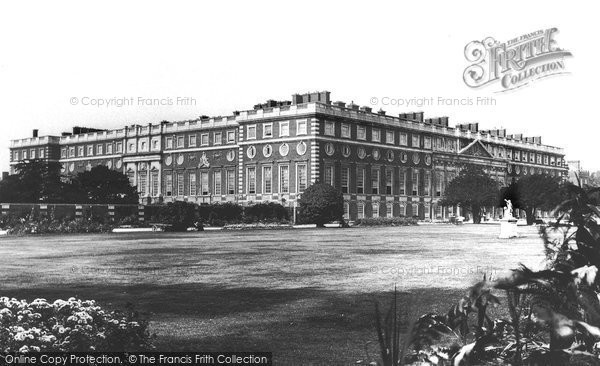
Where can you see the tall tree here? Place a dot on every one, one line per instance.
(103, 185)
(472, 189)
(34, 181)
(319, 204)
(533, 192)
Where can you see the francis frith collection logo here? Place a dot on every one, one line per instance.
(514, 63)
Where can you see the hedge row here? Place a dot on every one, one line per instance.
(386, 221)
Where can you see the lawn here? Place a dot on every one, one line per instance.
(306, 295)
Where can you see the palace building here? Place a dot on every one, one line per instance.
(384, 165)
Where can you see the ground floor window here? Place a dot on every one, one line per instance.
(402, 209)
(267, 180)
(204, 190)
(251, 177)
(154, 182)
(346, 211)
(192, 183)
(180, 184)
(217, 182)
(169, 184)
(415, 209)
(302, 177)
(142, 177)
(361, 210)
(230, 182)
(284, 179)
(389, 208)
(376, 209)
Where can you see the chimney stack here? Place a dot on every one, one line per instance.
(35, 132)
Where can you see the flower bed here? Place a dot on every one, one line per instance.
(67, 326)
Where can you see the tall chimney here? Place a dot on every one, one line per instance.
(35, 132)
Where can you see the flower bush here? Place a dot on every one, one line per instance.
(69, 326)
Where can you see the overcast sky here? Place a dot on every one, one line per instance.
(230, 55)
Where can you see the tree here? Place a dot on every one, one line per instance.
(319, 204)
(103, 185)
(533, 192)
(179, 214)
(34, 181)
(472, 189)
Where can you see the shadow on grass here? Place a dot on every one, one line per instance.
(299, 325)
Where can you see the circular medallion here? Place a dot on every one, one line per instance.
(329, 149)
(428, 159)
(109, 164)
(180, 160)
(88, 166)
(267, 150)
(63, 168)
(376, 154)
(403, 157)
(230, 155)
(251, 152)
(518, 169)
(361, 152)
(390, 155)
(416, 158)
(284, 149)
(525, 170)
(346, 151)
(119, 164)
(71, 167)
(301, 148)
(169, 160)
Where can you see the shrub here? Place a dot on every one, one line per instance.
(69, 326)
(266, 212)
(386, 221)
(219, 214)
(179, 215)
(320, 203)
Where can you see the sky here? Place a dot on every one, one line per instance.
(59, 60)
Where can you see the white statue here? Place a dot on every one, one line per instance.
(508, 209)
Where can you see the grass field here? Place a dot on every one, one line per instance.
(306, 295)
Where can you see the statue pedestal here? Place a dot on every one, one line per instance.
(508, 228)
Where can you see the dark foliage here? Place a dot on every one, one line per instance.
(532, 192)
(320, 203)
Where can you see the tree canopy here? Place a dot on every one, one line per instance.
(533, 192)
(319, 204)
(472, 189)
(38, 181)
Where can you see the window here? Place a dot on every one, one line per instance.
(427, 142)
(402, 181)
(345, 130)
(169, 142)
(284, 179)
(99, 149)
(375, 181)
(345, 179)
(131, 177)
(230, 182)
(389, 210)
(251, 132)
(375, 209)
(32, 154)
(155, 144)
(301, 127)
(204, 190)
(329, 128)
(192, 140)
(109, 148)
(402, 209)
(71, 152)
(415, 209)
(169, 184)
(545, 159)
(509, 154)
(376, 135)
(230, 137)
(251, 176)
(153, 183)
(538, 158)
(24, 154)
(142, 146)
(41, 153)
(301, 177)
(360, 180)
(218, 138)
(361, 132)
(361, 210)
(90, 150)
(329, 175)
(267, 130)
(16, 156)
(415, 182)
(142, 179)
(439, 182)
(284, 129)
(389, 137)
(346, 211)
(389, 181)
(403, 139)
(267, 180)
(217, 182)
(427, 183)
(63, 153)
(180, 184)
(416, 140)
(180, 141)
(79, 152)
(120, 147)
(531, 157)
(192, 183)
(131, 147)
(204, 139)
